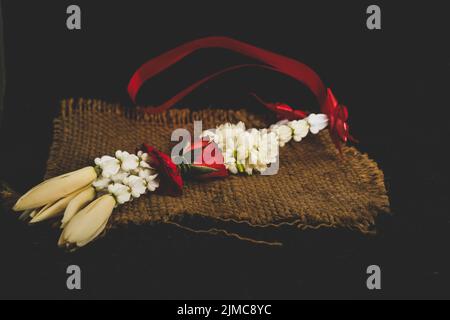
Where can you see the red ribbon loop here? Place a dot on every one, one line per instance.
(338, 114)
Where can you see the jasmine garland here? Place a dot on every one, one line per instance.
(125, 176)
(85, 199)
(255, 150)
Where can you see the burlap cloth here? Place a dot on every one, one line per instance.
(315, 186)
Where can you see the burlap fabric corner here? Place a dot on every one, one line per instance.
(315, 186)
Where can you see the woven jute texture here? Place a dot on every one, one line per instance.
(315, 186)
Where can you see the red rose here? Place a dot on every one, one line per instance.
(208, 161)
(170, 180)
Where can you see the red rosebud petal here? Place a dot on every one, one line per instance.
(171, 182)
(209, 157)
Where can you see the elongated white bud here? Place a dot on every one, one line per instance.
(34, 213)
(87, 224)
(25, 215)
(77, 203)
(55, 189)
(55, 209)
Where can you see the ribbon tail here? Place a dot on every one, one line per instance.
(281, 110)
(353, 139)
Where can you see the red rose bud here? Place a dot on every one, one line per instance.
(208, 161)
(170, 180)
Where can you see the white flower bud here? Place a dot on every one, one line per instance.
(301, 129)
(88, 224)
(317, 122)
(55, 189)
(284, 134)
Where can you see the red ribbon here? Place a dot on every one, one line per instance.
(337, 113)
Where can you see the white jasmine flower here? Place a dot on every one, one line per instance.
(121, 192)
(150, 179)
(229, 156)
(152, 183)
(249, 170)
(210, 136)
(261, 167)
(248, 146)
(101, 183)
(129, 162)
(242, 147)
(253, 156)
(232, 168)
(240, 127)
(109, 165)
(144, 164)
(231, 130)
(144, 173)
(228, 133)
(268, 148)
(284, 133)
(246, 151)
(254, 135)
(143, 159)
(137, 184)
(120, 176)
(317, 122)
(142, 155)
(301, 129)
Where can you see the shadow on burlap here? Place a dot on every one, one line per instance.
(315, 186)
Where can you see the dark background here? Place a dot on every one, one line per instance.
(394, 82)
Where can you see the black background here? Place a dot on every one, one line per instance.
(394, 82)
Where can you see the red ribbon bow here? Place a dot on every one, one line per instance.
(338, 116)
(337, 113)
